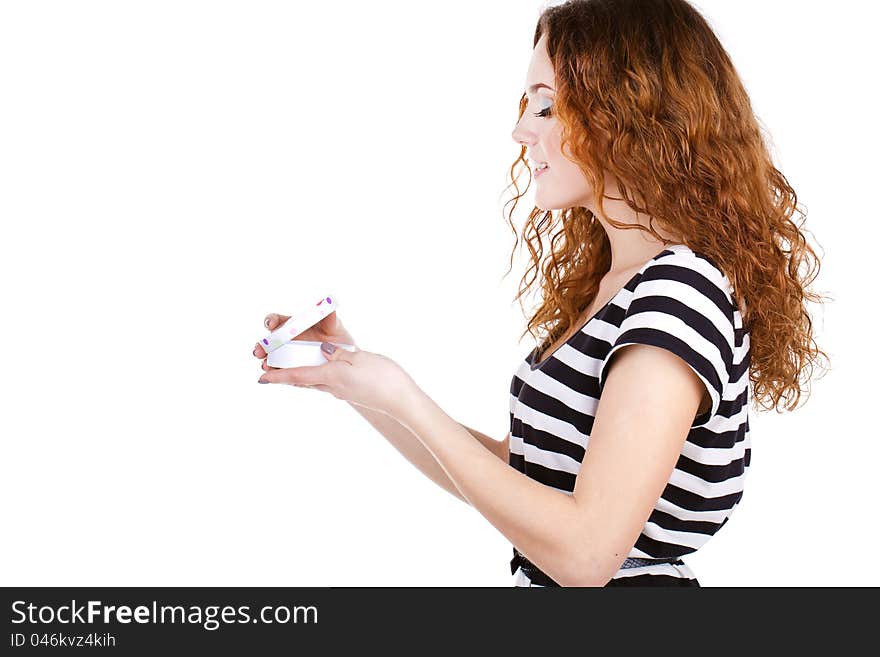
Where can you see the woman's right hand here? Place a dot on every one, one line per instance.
(329, 329)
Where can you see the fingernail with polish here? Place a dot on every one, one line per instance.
(327, 347)
(261, 381)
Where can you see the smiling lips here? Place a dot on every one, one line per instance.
(537, 166)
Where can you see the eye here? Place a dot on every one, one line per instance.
(544, 113)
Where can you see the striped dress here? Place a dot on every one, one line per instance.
(682, 302)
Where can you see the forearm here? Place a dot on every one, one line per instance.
(542, 522)
(405, 442)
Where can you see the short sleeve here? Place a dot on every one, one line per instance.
(683, 303)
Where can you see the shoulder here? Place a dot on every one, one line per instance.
(683, 257)
(689, 272)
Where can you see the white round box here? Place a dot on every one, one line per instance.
(299, 353)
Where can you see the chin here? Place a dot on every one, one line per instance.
(553, 204)
(549, 202)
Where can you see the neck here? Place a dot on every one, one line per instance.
(630, 247)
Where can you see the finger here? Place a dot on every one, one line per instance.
(271, 322)
(316, 386)
(330, 324)
(333, 352)
(274, 320)
(307, 375)
(268, 368)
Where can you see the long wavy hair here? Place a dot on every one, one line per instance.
(646, 92)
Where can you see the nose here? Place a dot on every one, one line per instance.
(522, 136)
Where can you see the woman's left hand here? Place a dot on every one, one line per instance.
(360, 377)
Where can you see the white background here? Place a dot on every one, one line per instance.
(170, 172)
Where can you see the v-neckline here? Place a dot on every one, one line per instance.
(533, 367)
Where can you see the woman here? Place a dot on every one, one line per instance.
(673, 258)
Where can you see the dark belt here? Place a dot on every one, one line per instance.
(538, 576)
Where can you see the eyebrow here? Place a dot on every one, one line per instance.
(540, 85)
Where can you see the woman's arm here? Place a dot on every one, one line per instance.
(405, 442)
(642, 421)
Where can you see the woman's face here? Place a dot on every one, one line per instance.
(561, 185)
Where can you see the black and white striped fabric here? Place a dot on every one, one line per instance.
(682, 302)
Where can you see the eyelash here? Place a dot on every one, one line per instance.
(544, 113)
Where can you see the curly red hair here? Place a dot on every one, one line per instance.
(646, 92)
